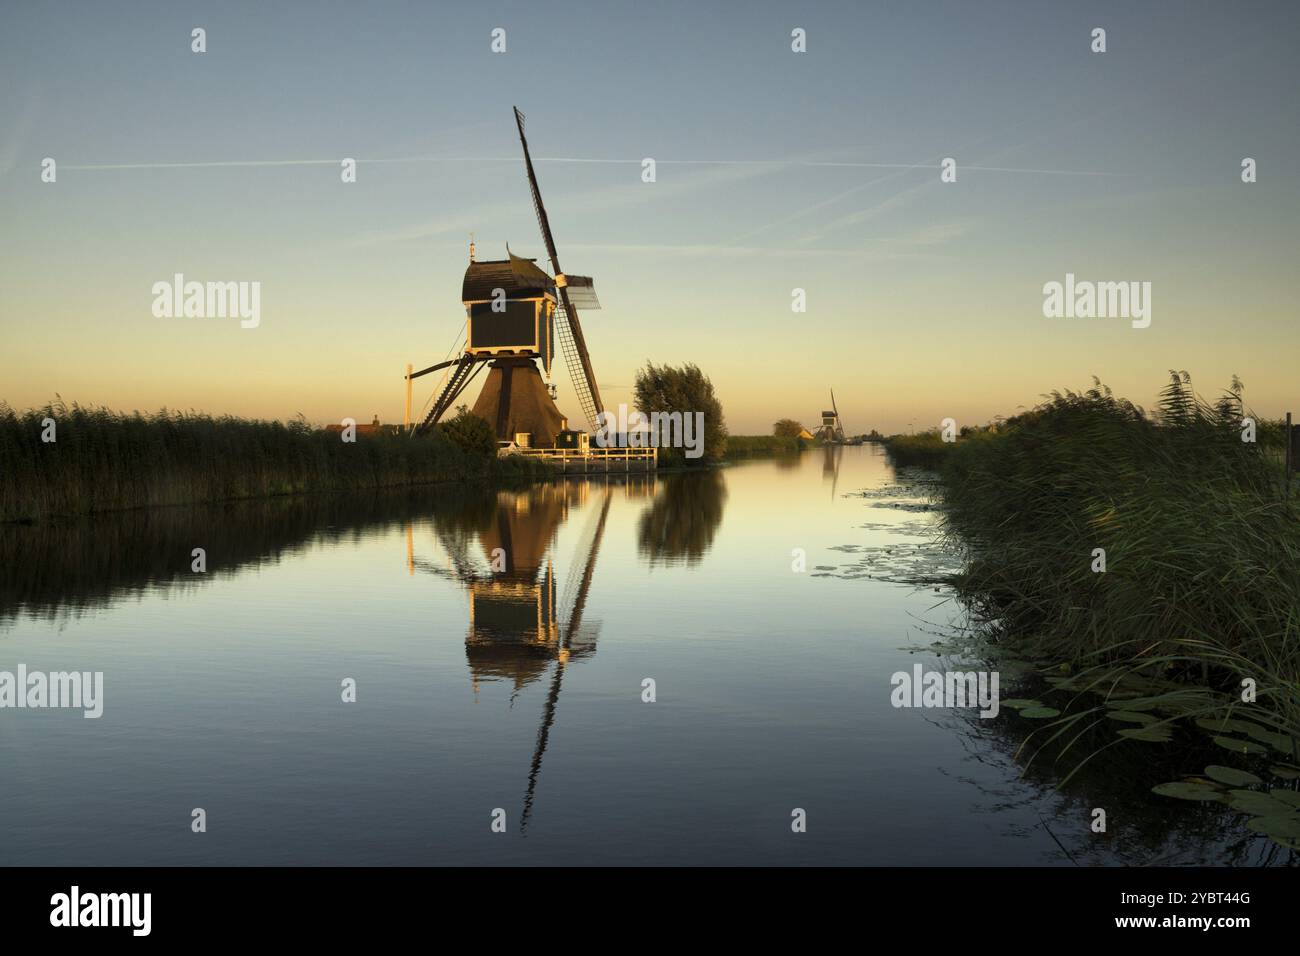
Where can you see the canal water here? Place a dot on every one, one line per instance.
(502, 647)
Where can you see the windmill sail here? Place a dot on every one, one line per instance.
(582, 292)
(572, 605)
(568, 327)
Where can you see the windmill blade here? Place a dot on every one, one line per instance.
(570, 620)
(457, 551)
(574, 598)
(539, 749)
(568, 326)
(839, 424)
(582, 292)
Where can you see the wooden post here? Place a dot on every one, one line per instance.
(406, 418)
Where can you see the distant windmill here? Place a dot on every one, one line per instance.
(516, 315)
(831, 429)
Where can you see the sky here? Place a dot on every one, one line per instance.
(775, 170)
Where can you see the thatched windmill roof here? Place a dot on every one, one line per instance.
(519, 278)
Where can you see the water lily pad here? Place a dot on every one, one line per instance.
(1279, 742)
(1285, 771)
(1189, 790)
(1118, 697)
(1255, 730)
(1016, 703)
(1038, 713)
(1141, 683)
(1131, 717)
(1256, 804)
(1224, 725)
(1154, 735)
(1284, 825)
(1240, 746)
(1289, 797)
(1231, 776)
(1142, 703)
(1181, 706)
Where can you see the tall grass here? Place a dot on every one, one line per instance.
(1202, 553)
(104, 461)
(926, 450)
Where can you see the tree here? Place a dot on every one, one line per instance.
(663, 388)
(787, 428)
(470, 433)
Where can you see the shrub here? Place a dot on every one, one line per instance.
(662, 388)
(470, 433)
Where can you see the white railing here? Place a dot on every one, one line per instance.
(595, 457)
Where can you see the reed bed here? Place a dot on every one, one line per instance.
(106, 461)
(1201, 587)
(926, 450)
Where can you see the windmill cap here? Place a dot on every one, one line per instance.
(519, 278)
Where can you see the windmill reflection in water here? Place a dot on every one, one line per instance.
(521, 623)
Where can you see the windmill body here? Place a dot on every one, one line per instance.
(510, 306)
(519, 315)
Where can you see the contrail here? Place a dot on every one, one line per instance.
(252, 162)
(574, 159)
(819, 165)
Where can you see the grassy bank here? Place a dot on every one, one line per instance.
(106, 461)
(1201, 583)
(763, 446)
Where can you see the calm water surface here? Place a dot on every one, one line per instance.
(519, 686)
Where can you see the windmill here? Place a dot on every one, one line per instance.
(517, 314)
(831, 429)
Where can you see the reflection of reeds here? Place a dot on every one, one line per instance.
(57, 568)
(104, 460)
(1202, 551)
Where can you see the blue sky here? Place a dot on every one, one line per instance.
(776, 170)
